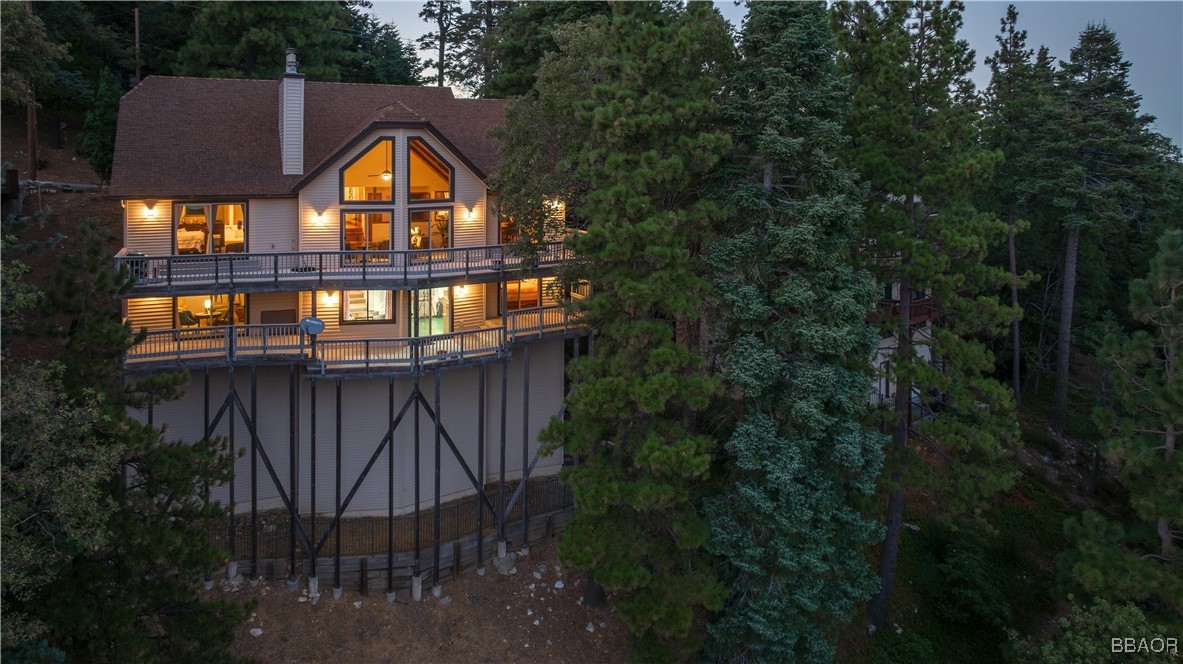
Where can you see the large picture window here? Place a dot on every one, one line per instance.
(210, 228)
(523, 294)
(361, 231)
(367, 306)
(430, 229)
(430, 176)
(195, 311)
(370, 176)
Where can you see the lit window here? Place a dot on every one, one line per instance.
(367, 306)
(431, 176)
(369, 177)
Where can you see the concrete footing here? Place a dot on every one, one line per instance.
(292, 585)
(313, 585)
(232, 569)
(337, 592)
(208, 584)
(417, 587)
(437, 590)
(501, 549)
(390, 598)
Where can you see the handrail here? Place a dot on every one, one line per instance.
(229, 343)
(536, 321)
(409, 352)
(231, 269)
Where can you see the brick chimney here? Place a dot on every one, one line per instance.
(291, 117)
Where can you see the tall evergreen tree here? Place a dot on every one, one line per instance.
(445, 38)
(914, 125)
(479, 30)
(98, 145)
(248, 40)
(631, 99)
(1009, 130)
(382, 54)
(108, 531)
(1146, 372)
(1097, 153)
(527, 33)
(790, 528)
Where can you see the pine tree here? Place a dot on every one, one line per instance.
(445, 38)
(479, 31)
(1097, 152)
(383, 56)
(248, 40)
(1147, 425)
(113, 507)
(527, 33)
(914, 139)
(98, 145)
(1009, 129)
(789, 530)
(630, 103)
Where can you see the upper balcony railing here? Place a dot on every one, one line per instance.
(286, 343)
(215, 272)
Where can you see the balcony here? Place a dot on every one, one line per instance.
(328, 270)
(283, 344)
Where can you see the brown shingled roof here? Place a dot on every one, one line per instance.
(184, 137)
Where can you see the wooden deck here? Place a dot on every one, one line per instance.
(304, 270)
(283, 344)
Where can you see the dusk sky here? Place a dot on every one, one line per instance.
(1151, 35)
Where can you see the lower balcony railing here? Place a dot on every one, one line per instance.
(214, 271)
(231, 343)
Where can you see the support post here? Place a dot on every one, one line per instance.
(435, 539)
(254, 476)
(390, 494)
(525, 449)
(232, 525)
(293, 448)
(205, 434)
(312, 578)
(501, 515)
(337, 503)
(416, 349)
(480, 462)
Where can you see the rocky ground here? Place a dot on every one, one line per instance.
(535, 614)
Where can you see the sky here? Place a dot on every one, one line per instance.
(1151, 36)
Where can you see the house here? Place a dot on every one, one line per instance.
(326, 260)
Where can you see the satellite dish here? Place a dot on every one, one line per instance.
(312, 325)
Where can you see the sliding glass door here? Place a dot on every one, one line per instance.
(431, 309)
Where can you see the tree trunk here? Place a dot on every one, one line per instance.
(1064, 343)
(1014, 302)
(1166, 541)
(443, 43)
(877, 609)
(31, 120)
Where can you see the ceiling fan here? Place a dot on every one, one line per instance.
(386, 175)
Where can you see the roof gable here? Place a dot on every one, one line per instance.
(184, 137)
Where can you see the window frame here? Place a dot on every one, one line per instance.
(209, 222)
(451, 175)
(366, 211)
(358, 157)
(451, 226)
(246, 310)
(343, 297)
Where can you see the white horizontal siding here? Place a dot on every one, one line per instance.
(271, 225)
(149, 232)
(468, 307)
(155, 313)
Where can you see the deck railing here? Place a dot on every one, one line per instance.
(228, 343)
(536, 321)
(216, 271)
(410, 352)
